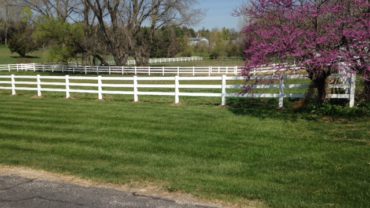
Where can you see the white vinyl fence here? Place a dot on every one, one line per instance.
(143, 70)
(168, 60)
(174, 86)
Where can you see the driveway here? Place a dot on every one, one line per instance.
(20, 192)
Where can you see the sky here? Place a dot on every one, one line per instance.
(218, 14)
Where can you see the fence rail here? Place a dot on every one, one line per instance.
(136, 86)
(142, 70)
(168, 60)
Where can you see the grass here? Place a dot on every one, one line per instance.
(6, 57)
(41, 56)
(246, 151)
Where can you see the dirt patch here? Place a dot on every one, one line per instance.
(147, 189)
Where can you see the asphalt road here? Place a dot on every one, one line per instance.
(19, 192)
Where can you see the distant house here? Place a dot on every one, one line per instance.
(198, 41)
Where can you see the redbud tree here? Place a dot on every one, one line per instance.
(319, 35)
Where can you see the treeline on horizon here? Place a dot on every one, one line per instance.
(107, 31)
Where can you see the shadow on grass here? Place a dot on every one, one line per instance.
(268, 108)
(261, 108)
(25, 57)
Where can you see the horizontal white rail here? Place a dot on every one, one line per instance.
(144, 70)
(168, 60)
(216, 86)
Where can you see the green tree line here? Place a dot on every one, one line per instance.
(95, 32)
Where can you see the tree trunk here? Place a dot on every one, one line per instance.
(141, 61)
(142, 57)
(21, 54)
(120, 60)
(366, 92)
(319, 82)
(101, 59)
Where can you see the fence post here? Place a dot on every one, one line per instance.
(177, 91)
(17, 67)
(223, 99)
(352, 84)
(34, 67)
(149, 70)
(97, 69)
(193, 71)
(100, 88)
(13, 84)
(9, 67)
(85, 69)
(136, 96)
(209, 71)
(235, 70)
(135, 70)
(123, 69)
(162, 70)
(109, 70)
(281, 92)
(38, 80)
(43, 68)
(178, 71)
(67, 87)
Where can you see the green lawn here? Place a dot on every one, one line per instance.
(6, 57)
(246, 151)
(41, 56)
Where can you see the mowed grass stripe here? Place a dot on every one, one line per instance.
(161, 141)
(208, 151)
(130, 118)
(191, 119)
(150, 126)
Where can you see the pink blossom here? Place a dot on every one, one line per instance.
(317, 35)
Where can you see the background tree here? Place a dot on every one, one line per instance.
(62, 10)
(121, 24)
(223, 43)
(121, 29)
(9, 16)
(64, 39)
(170, 41)
(91, 48)
(22, 40)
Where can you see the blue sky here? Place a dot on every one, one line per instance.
(218, 13)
